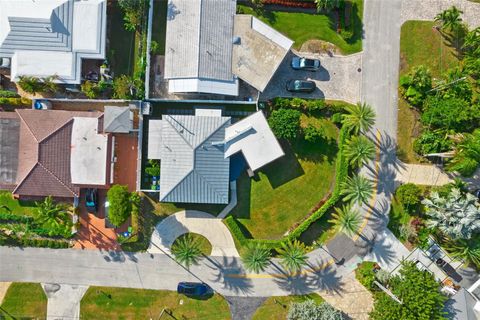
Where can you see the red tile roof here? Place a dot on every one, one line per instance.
(44, 153)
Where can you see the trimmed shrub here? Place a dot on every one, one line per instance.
(9, 217)
(285, 123)
(8, 94)
(337, 118)
(314, 134)
(120, 204)
(16, 102)
(365, 274)
(409, 196)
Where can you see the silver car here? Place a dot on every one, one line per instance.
(299, 63)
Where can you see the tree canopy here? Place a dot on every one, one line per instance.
(285, 123)
(120, 206)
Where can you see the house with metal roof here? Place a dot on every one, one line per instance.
(195, 150)
(209, 48)
(52, 37)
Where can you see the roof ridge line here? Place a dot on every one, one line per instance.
(57, 178)
(171, 125)
(56, 130)
(211, 134)
(25, 177)
(207, 183)
(26, 124)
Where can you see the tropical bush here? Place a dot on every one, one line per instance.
(309, 310)
(360, 118)
(125, 87)
(416, 84)
(357, 189)
(466, 250)
(457, 215)
(153, 168)
(8, 94)
(134, 13)
(409, 196)
(467, 155)
(256, 258)
(346, 220)
(314, 134)
(53, 217)
(16, 102)
(187, 250)
(419, 292)
(293, 255)
(365, 274)
(120, 206)
(432, 142)
(359, 150)
(285, 123)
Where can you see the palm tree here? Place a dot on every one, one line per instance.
(293, 255)
(457, 215)
(467, 155)
(30, 84)
(186, 250)
(359, 150)
(49, 84)
(450, 18)
(469, 251)
(471, 42)
(256, 258)
(357, 189)
(49, 214)
(327, 4)
(360, 118)
(346, 220)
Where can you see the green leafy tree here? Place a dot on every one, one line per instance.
(450, 114)
(314, 134)
(432, 141)
(309, 310)
(120, 206)
(134, 12)
(153, 169)
(360, 118)
(467, 155)
(357, 189)
(467, 250)
(285, 123)
(416, 84)
(409, 195)
(450, 18)
(327, 5)
(457, 215)
(293, 255)
(124, 87)
(50, 215)
(187, 250)
(359, 150)
(419, 292)
(90, 89)
(256, 258)
(346, 220)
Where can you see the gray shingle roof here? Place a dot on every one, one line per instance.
(117, 119)
(52, 34)
(199, 39)
(192, 168)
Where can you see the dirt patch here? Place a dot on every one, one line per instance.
(319, 46)
(3, 290)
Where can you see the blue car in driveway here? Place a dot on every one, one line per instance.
(193, 288)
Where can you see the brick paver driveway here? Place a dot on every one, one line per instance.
(339, 78)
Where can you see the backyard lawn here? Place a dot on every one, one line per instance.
(10, 205)
(277, 307)
(286, 190)
(301, 27)
(428, 47)
(120, 303)
(24, 301)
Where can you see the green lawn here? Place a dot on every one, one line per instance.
(121, 48)
(277, 307)
(24, 301)
(159, 24)
(205, 245)
(22, 208)
(120, 303)
(287, 189)
(419, 44)
(301, 27)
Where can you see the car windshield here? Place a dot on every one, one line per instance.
(297, 84)
(307, 63)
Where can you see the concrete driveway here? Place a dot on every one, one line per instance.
(339, 78)
(199, 222)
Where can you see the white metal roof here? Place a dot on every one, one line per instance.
(154, 139)
(254, 138)
(47, 37)
(205, 86)
(88, 159)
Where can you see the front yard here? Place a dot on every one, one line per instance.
(277, 307)
(120, 303)
(285, 191)
(24, 301)
(302, 27)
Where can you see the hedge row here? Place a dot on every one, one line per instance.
(66, 233)
(9, 217)
(8, 94)
(341, 167)
(16, 102)
(39, 243)
(291, 3)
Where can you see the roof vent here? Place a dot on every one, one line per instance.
(237, 40)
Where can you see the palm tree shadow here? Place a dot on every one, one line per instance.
(388, 152)
(325, 279)
(294, 284)
(228, 272)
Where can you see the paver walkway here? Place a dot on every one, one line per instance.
(428, 9)
(199, 222)
(63, 300)
(430, 175)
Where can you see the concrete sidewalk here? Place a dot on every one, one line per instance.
(194, 221)
(63, 300)
(429, 175)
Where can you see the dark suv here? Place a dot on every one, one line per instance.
(91, 202)
(301, 86)
(193, 288)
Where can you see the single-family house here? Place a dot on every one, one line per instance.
(52, 37)
(209, 48)
(195, 151)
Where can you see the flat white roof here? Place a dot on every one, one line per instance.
(88, 158)
(43, 63)
(254, 138)
(205, 86)
(154, 139)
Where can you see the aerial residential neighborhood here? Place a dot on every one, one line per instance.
(240, 159)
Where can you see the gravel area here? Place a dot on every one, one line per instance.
(339, 78)
(244, 308)
(428, 9)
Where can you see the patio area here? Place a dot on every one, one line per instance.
(125, 168)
